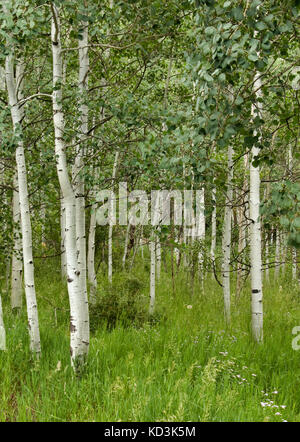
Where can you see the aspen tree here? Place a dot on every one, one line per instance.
(32, 313)
(110, 227)
(79, 319)
(255, 227)
(152, 275)
(226, 237)
(17, 262)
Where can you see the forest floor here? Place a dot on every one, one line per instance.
(186, 366)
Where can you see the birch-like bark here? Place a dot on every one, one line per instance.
(79, 163)
(79, 317)
(213, 226)
(200, 226)
(255, 230)
(17, 261)
(277, 254)
(293, 251)
(152, 276)
(282, 252)
(110, 228)
(213, 219)
(125, 246)
(32, 313)
(92, 277)
(63, 260)
(158, 254)
(226, 237)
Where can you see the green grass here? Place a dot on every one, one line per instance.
(188, 367)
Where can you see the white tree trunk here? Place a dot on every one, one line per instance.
(110, 228)
(200, 226)
(294, 263)
(277, 254)
(255, 234)
(293, 250)
(152, 276)
(79, 317)
(125, 246)
(79, 163)
(33, 323)
(213, 227)
(63, 260)
(226, 237)
(17, 261)
(92, 277)
(158, 254)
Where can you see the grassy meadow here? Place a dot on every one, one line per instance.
(185, 365)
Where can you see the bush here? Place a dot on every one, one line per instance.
(122, 302)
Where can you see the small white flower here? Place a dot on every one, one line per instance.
(189, 306)
(283, 406)
(253, 374)
(277, 414)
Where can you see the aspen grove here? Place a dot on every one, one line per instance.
(150, 210)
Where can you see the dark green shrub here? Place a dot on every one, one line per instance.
(122, 302)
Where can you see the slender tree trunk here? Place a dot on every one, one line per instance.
(255, 233)
(16, 115)
(17, 261)
(79, 163)
(293, 250)
(63, 260)
(79, 318)
(200, 225)
(110, 228)
(277, 254)
(213, 227)
(158, 254)
(125, 246)
(92, 277)
(152, 276)
(226, 238)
